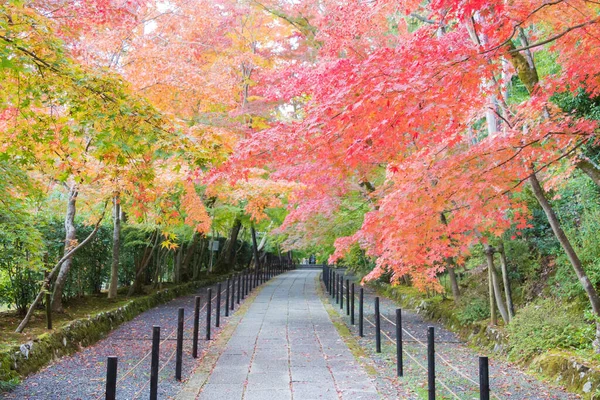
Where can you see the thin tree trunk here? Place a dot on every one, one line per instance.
(177, 260)
(507, 290)
(136, 286)
(226, 260)
(189, 257)
(198, 262)
(453, 283)
(70, 240)
(590, 168)
(493, 316)
(450, 267)
(114, 270)
(50, 276)
(489, 253)
(571, 254)
(255, 247)
(158, 267)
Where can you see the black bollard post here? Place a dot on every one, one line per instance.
(352, 304)
(333, 285)
(218, 310)
(179, 348)
(48, 311)
(196, 327)
(337, 289)
(361, 321)
(232, 293)
(111, 378)
(154, 363)
(331, 282)
(247, 275)
(209, 312)
(243, 285)
(243, 293)
(347, 297)
(377, 326)
(431, 363)
(227, 297)
(239, 288)
(484, 379)
(399, 361)
(341, 292)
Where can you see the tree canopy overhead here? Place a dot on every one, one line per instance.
(413, 130)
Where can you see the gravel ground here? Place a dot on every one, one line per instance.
(457, 366)
(82, 375)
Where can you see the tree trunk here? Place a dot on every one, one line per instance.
(70, 240)
(489, 254)
(226, 260)
(177, 261)
(590, 168)
(453, 283)
(136, 286)
(255, 248)
(507, 290)
(200, 258)
(493, 317)
(450, 267)
(571, 254)
(189, 257)
(114, 270)
(50, 276)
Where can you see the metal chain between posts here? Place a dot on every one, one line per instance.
(112, 380)
(172, 354)
(443, 359)
(130, 371)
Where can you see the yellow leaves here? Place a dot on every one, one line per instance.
(170, 241)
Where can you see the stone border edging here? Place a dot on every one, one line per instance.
(560, 367)
(20, 361)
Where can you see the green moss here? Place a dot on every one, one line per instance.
(355, 348)
(83, 332)
(566, 368)
(532, 337)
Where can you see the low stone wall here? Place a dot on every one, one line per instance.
(23, 360)
(562, 367)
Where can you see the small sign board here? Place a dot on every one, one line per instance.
(214, 245)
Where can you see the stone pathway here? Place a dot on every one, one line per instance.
(81, 376)
(286, 347)
(456, 363)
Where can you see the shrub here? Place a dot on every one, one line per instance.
(547, 324)
(473, 310)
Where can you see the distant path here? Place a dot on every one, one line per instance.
(287, 347)
(81, 375)
(461, 376)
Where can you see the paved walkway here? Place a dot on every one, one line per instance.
(81, 375)
(456, 364)
(286, 347)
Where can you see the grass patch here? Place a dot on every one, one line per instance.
(76, 308)
(70, 336)
(355, 348)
